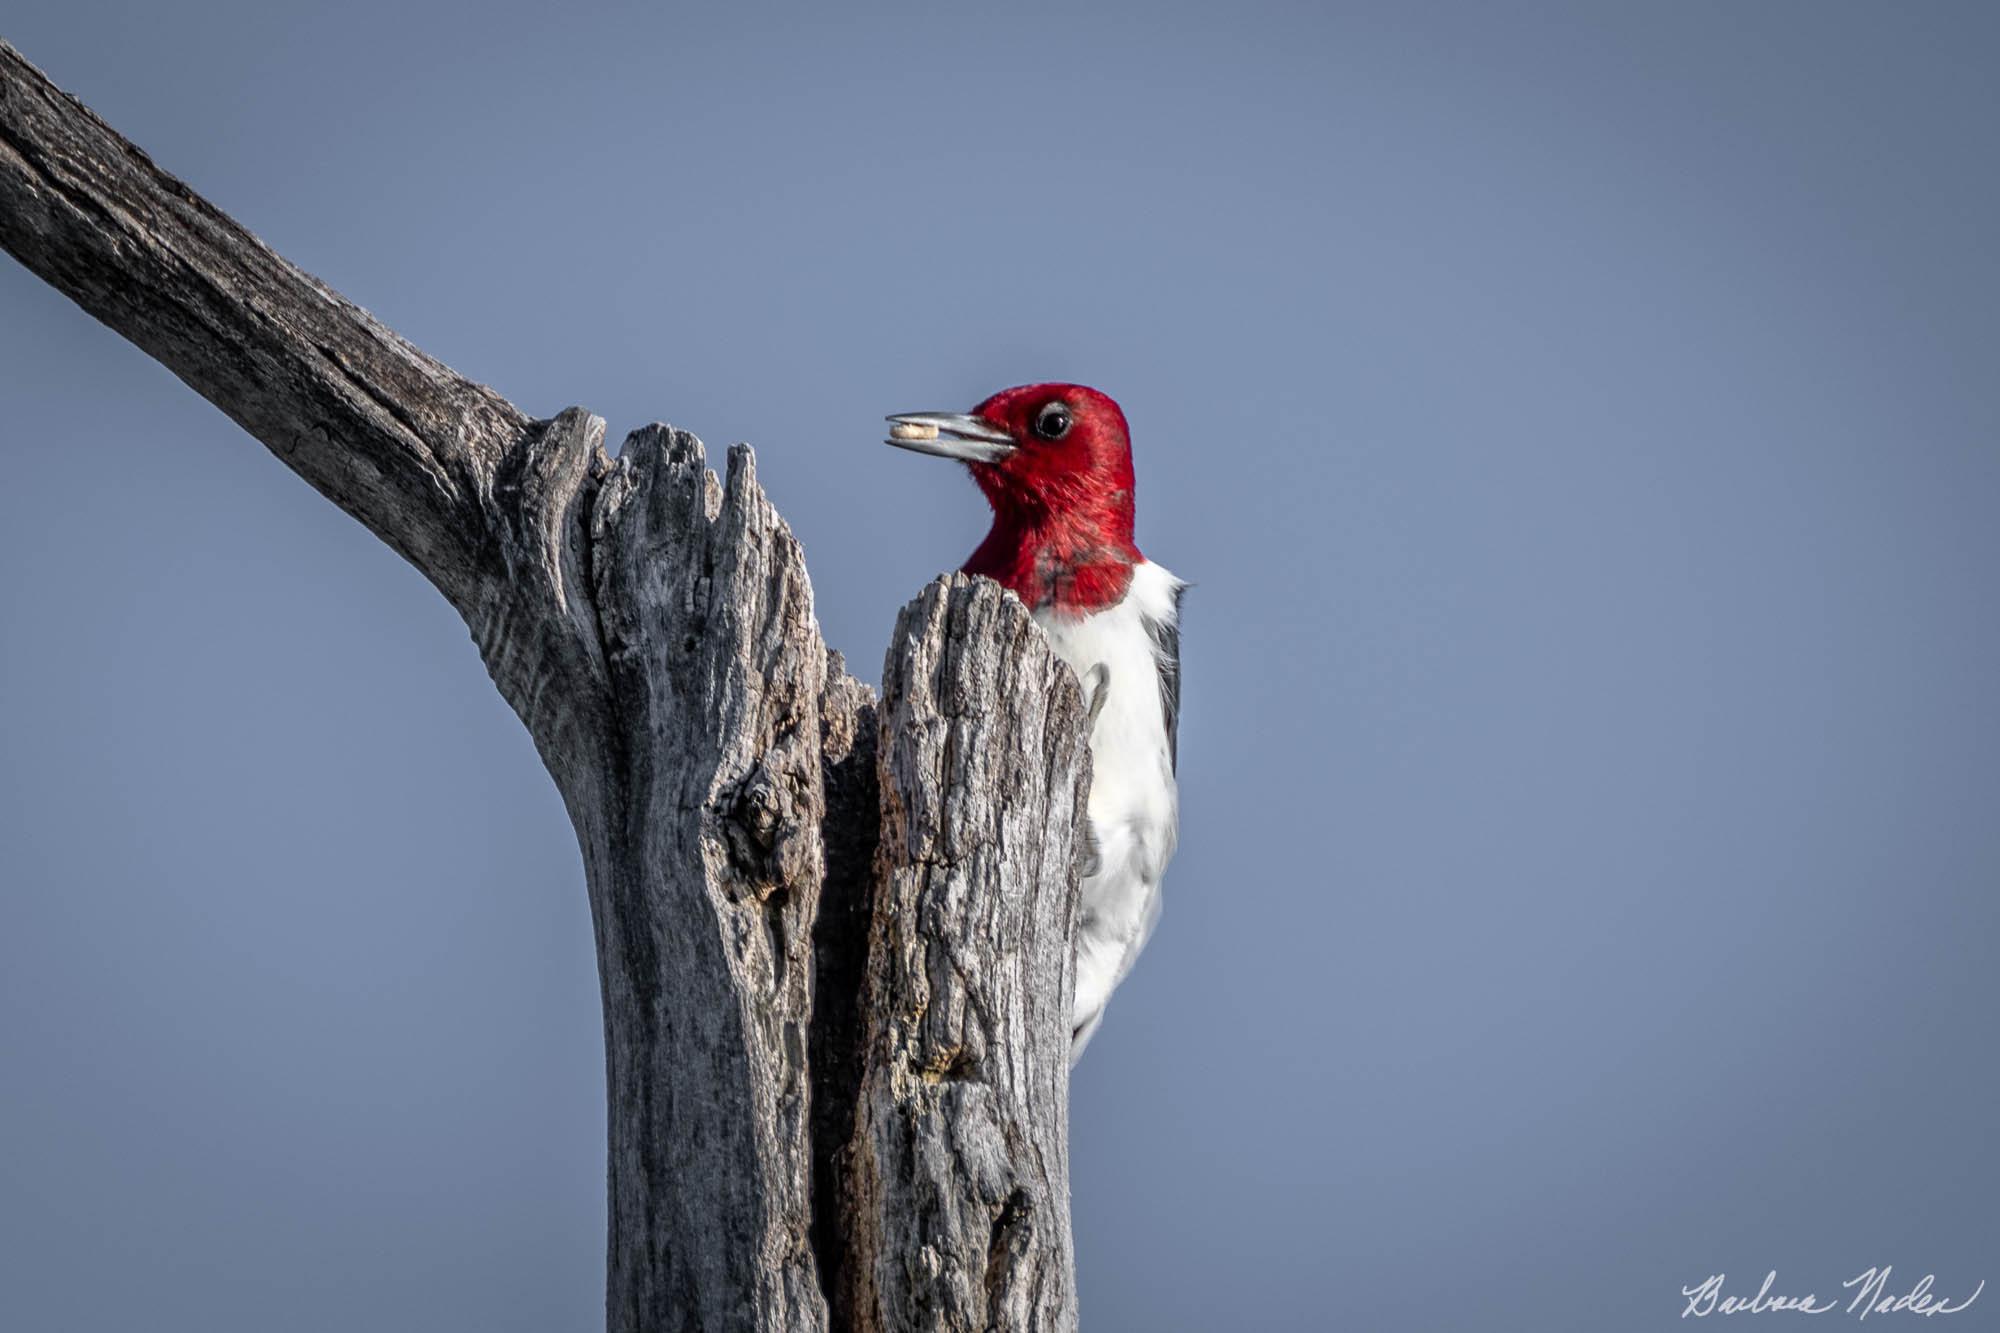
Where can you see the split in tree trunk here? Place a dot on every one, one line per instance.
(833, 936)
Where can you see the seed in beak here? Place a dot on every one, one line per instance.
(912, 430)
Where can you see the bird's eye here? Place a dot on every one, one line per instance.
(1052, 422)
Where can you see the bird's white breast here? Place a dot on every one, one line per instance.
(1133, 801)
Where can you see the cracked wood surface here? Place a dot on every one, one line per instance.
(387, 433)
(833, 939)
(959, 1191)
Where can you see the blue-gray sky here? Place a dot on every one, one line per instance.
(1579, 422)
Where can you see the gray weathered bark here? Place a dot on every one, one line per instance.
(834, 938)
(969, 976)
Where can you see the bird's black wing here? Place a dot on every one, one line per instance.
(1166, 635)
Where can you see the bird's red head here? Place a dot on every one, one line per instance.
(1055, 462)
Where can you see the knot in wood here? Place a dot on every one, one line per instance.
(757, 811)
(757, 816)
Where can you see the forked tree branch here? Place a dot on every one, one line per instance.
(834, 940)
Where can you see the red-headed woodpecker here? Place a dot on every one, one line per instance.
(1055, 462)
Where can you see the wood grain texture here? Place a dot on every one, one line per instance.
(833, 938)
(389, 434)
(706, 890)
(959, 1189)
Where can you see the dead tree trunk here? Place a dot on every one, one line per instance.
(833, 935)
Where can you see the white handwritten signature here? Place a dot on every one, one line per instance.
(1871, 1296)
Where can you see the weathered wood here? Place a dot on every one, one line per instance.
(387, 433)
(959, 1189)
(833, 945)
(707, 894)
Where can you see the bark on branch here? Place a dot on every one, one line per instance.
(834, 938)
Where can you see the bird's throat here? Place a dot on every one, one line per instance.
(1065, 567)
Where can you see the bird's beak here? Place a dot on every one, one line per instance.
(969, 439)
